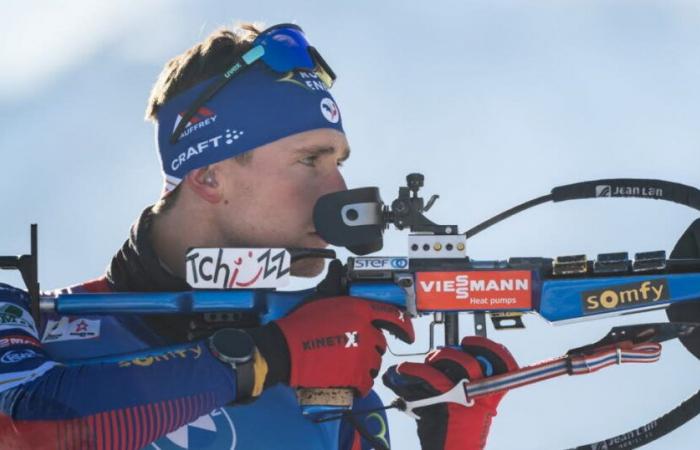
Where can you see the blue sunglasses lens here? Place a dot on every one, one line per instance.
(286, 49)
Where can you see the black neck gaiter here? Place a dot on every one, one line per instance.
(136, 268)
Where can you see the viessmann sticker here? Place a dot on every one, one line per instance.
(485, 290)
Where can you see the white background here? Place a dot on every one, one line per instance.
(495, 102)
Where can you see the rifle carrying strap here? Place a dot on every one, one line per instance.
(582, 364)
(575, 364)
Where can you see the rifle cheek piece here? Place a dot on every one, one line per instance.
(353, 219)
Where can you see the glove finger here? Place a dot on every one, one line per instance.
(368, 371)
(374, 364)
(393, 320)
(495, 358)
(406, 386)
(432, 376)
(456, 364)
(379, 340)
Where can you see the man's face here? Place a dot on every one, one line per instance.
(269, 201)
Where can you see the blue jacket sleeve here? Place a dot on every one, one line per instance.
(374, 424)
(135, 398)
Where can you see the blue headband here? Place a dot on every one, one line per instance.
(257, 107)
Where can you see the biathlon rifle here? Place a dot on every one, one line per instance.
(438, 278)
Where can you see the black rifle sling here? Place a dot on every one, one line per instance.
(652, 430)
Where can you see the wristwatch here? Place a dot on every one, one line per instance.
(237, 349)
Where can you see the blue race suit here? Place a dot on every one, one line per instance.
(132, 382)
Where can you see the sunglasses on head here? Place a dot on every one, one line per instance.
(283, 48)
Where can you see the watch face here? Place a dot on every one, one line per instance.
(233, 346)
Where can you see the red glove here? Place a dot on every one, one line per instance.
(450, 426)
(338, 342)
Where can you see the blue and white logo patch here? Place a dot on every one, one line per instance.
(15, 356)
(214, 431)
(330, 110)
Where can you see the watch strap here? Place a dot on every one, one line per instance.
(260, 370)
(245, 379)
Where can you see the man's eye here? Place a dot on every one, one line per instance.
(309, 161)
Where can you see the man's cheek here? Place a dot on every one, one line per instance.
(297, 203)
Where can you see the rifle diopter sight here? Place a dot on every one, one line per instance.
(356, 219)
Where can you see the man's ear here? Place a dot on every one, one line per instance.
(204, 183)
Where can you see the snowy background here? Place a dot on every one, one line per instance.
(495, 102)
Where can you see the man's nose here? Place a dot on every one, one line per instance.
(334, 182)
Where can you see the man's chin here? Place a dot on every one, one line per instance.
(308, 267)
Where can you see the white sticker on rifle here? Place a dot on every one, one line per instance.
(67, 329)
(237, 268)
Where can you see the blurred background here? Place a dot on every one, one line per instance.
(496, 102)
